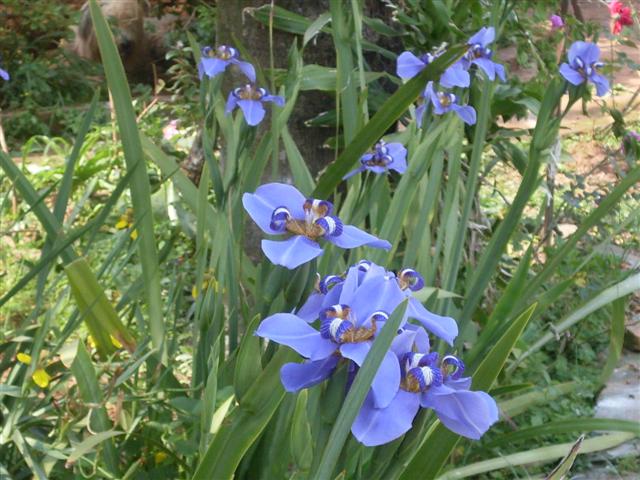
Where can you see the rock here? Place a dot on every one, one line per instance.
(632, 335)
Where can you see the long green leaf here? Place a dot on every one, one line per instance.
(357, 394)
(140, 189)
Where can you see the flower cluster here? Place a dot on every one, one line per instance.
(249, 97)
(457, 75)
(620, 16)
(338, 324)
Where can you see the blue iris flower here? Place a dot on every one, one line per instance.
(279, 209)
(384, 157)
(409, 66)
(444, 102)
(250, 99)
(583, 66)
(480, 54)
(215, 61)
(347, 331)
(427, 382)
(382, 285)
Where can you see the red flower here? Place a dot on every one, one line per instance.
(620, 15)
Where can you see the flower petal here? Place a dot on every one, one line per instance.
(309, 310)
(213, 66)
(487, 66)
(292, 331)
(443, 327)
(246, 68)
(588, 52)
(465, 112)
(570, 75)
(484, 37)
(296, 376)
(353, 237)
(409, 65)
(261, 204)
(379, 293)
(277, 99)
(291, 252)
(420, 114)
(232, 102)
(354, 172)
(466, 413)
(376, 426)
(4, 74)
(386, 383)
(253, 111)
(455, 76)
(601, 82)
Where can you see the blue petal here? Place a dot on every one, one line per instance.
(296, 376)
(354, 172)
(261, 204)
(601, 83)
(465, 112)
(291, 252)
(213, 66)
(409, 65)
(443, 327)
(403, 342)
(374, 294)
(484, 37)
(277, 99)
(376, 426)
(349, 286)
(309, 311)
(466, 413)
(570, 75)
(253, 111)
(386, 383)
(500, 72)
(290, 330)
(246, 68)
(4, 74)
(420, 114)
(587, 51)
(455, 76)
(487, 66)
(353, 237)
(232, 102)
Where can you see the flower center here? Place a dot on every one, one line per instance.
(478, 51)
(446, 99)
(316, 223)
(337, 325)
(224, 52)
(409, 278)
(249, 92)
(419, 379)
(380, 158)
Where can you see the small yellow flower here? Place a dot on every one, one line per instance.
(160, 457)
(24, 358)
(122, 223)
(208, 282)
(134, 234)
(115, 342)
(581, 279)
(91, 341)
(41, 378)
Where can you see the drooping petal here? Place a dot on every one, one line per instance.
(290, 330)
(466, 112)
(277, 99)
(213, 66)
(253, 111)
(466, 413)
(460, 384)
(443, 327)
(354, 172)
(570, 75)
(387, 380)
(232, 102)
(487, 66)
(353, 237)
(376, 426)
(292, 252)
(500, 72)
(484, 37)
(409, 65)
(601, 82)
(246, 68)
(420, 114)
(296, 376)
(455, 76)
(261, 204)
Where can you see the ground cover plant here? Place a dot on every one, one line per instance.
(413, 309)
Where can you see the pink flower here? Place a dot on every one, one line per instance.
(556, 22)
(620, 15)
(170, 130)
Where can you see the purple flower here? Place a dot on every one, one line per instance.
(583, 66)
(347, 331)
(4, 75)
(444, 102)
(409, 66)
(385, 288)
(279, 209)
(556, 22)
(216, 61)
(480, 54)
(426, 382)
(250, 99)
(384, 157)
